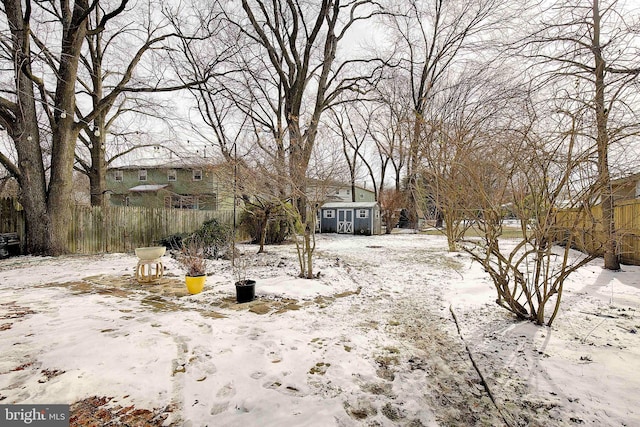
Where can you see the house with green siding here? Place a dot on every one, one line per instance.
(348, 193)
(180, 184)
(334, 191)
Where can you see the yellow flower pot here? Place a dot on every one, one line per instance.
(195, 284)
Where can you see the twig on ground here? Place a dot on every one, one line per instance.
(600, 315)
(591, 331)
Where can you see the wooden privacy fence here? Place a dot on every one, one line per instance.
(10, 216)
(96, 229)
(588, 232)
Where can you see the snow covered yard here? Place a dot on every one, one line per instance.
(372, 342)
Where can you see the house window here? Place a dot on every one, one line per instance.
(362, 195)
(172, 175)
(363, 213)
(348, 191)
(197, 174)
(329, 213)
(127, 201)
(142, 175)
(117, 175)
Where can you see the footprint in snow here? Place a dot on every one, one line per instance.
(258, 375)
(226, 390)
(288, 389)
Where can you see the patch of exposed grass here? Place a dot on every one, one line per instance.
(507, 232)
(320, 368)
(392, 350)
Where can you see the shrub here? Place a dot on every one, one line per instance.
(253, 219)
(213, 236)
(173, 242)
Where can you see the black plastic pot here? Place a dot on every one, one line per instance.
(245, 291)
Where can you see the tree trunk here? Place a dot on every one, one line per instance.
(308, 251)
(60, 191)
(98, 171)
(264, 223)
(24, 131)
(298, 175)
(65, 131)
(98, 185)
(32, 194)
(412, 173)
(604, 180)
(439, 218)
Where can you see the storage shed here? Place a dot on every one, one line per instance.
(361, 218)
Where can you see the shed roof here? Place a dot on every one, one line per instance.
(347, 205)
(148, 187)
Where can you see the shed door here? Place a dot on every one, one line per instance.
(345, 221)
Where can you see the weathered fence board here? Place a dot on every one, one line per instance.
(10, 215)
(589, 233)
(12, 218)
(95, 229)
(122, 229)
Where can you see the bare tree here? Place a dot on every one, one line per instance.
(116, 73)
(429, 38)
(391, 203)
(594, 48)
(352, 123)
(222, 102)
(300, 43)
(390, 129)
(46, 198)
(456, 128)
(283, 74)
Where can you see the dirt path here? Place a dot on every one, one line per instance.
(428, 348)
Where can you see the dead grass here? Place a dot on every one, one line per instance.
(508, 232)
(102, 411)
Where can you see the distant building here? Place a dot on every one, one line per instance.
(337, 192)
(626, 188)
(177, 184)
(361, 218)
(344, 193)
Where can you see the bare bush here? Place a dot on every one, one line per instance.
(529, 273)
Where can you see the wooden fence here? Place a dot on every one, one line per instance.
(588, 231)
(10, 216)
(94, 229)
(123, 228)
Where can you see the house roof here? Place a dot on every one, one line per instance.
(347, 205)
(147, 187)
(311, 182)
(626, 179)
(175, 163)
